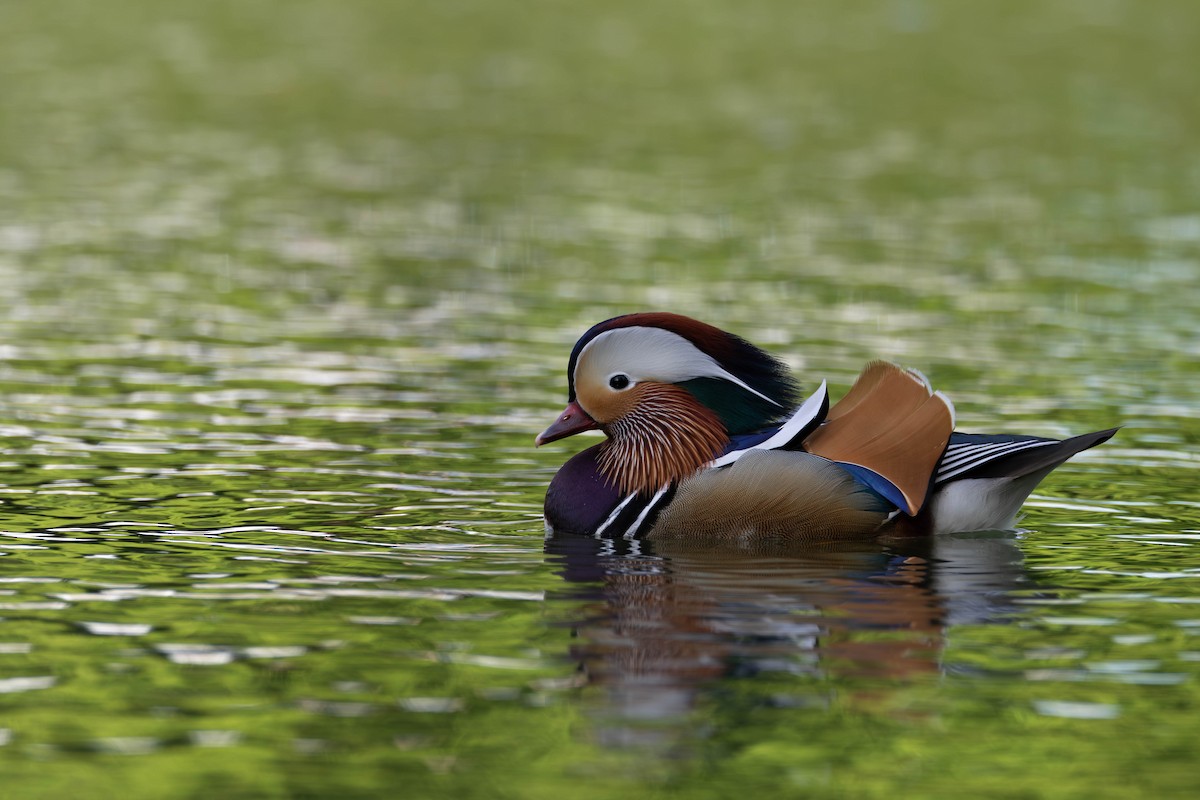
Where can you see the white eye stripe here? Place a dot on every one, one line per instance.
(651, 354)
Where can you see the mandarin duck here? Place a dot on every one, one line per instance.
(707, 438)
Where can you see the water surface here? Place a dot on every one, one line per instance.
(288, 289)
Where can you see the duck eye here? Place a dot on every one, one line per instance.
(619, 381)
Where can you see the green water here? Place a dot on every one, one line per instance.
(288, 289)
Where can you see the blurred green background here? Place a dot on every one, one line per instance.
(288, 288)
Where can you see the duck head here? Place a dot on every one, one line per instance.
(669, 392)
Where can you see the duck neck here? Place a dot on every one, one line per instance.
(667, 437)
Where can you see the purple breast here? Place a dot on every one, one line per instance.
(579, 497)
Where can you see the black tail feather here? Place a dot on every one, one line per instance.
(1035, 459)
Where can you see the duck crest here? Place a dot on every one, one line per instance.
(666, 438)
(759, 370)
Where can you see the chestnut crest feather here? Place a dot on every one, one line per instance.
(750, 389)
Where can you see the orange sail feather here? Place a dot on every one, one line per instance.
(890, 422)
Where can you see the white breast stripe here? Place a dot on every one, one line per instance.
(958, 465)
(616, 512)
(796, 423)
(637, 523)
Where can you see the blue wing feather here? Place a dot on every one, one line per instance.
(878, 485)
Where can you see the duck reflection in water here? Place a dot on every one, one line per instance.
(671, 625)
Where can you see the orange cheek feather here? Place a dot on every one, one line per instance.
(658, 433)
(604, 405)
